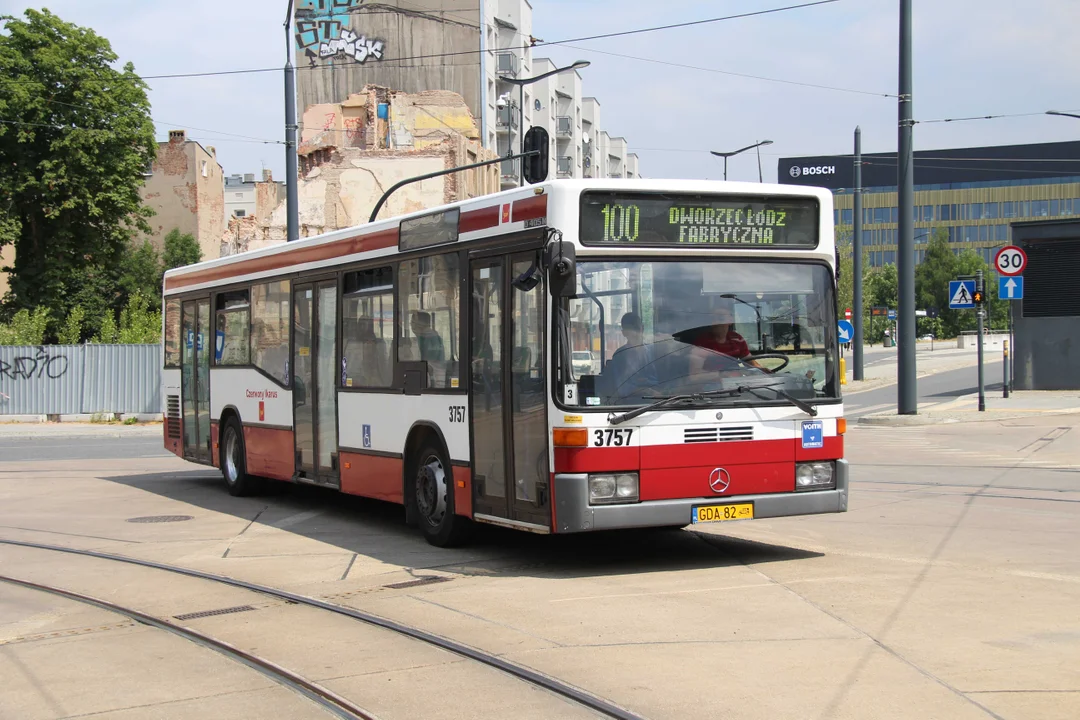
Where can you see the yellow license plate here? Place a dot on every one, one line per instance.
(721, 513)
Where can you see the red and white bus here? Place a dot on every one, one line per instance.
(565, 357)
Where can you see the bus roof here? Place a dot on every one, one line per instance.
(479, 217)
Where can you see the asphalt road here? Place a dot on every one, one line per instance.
(21, 449)
(932, 389)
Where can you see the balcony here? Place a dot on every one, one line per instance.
(508, 174)
(564, 126)
(506, 118)
(506, 64)
(565, 166)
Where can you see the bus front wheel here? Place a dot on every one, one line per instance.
(234, 461)
(432, 498)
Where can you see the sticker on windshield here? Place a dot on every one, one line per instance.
(813, 432)
(592, 401)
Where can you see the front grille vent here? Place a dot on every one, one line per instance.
(172, 413)
(717, 434)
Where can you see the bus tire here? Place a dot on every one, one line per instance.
(234, 461)
(431, 496)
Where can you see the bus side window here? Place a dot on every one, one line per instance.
(367, 328)
(428, 293)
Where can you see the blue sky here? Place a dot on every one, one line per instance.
(972, 58)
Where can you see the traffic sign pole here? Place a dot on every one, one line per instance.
(979, 314)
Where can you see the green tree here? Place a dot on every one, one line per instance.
(880, 289)
(75, 139)
(71, 331)
(932, 276)
(108, 333)
(141, 273)
(139, 323)
(180, 249)
(25, 328)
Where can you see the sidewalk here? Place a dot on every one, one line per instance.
(1020, 404)
(44, 431)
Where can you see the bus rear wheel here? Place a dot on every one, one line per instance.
(234, 461)
(432, 497)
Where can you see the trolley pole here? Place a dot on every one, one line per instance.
(979, 340)
(906, 391)
(856, 263)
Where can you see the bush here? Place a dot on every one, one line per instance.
(25, 328)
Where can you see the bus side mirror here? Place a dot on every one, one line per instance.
(562, 268)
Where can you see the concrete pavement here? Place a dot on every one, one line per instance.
(950, 589)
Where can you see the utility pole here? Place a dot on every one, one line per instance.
(292, 198)
(979, 338)
(856, 262)
(906, 391)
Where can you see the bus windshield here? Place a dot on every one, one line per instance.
(638, 331)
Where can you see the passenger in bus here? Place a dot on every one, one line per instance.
(367, 354)
(721, 343)
(629, 371)
(429, 341)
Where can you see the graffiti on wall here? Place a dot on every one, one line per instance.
(323, 31)
(29, 367)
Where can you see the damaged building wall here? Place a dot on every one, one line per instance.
(186, 190)
(361, 150)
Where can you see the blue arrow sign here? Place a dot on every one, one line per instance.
(846, 331)
(961, 294)
(1011, 288)
(892, 314)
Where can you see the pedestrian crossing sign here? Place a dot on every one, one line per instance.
(961, 294)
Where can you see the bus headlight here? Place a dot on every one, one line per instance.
(815, 476)
(611, 489)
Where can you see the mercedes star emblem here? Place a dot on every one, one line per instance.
(719, 480)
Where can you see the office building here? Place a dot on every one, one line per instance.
(975, 194)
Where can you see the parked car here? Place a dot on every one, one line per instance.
(581, 360)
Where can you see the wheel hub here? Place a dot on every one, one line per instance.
(431, 491)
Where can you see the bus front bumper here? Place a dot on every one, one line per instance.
(573, 513)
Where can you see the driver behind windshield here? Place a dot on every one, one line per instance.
(721, 339)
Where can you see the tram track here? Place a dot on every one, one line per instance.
(532, 677)
(322, 697)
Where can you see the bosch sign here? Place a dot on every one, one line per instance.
(796, 171)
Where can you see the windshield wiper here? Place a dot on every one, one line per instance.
(615, 419)
(805, 407)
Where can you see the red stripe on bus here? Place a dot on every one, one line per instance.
(687, 482)
(481, 219)
(579, 460)
(832, 449)
(462, 495)
(215, 456)
(530, 208)
(737, 452)
(289, 258)
(269, 452)
(372, 476)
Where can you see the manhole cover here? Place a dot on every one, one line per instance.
(161, 518)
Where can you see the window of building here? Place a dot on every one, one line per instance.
(239, 196)
(984, 233)
(172, 333)
(928, 213)
(975, 211)
(428, 294)
(270, 329)
(1055, 208)
(231, 341)
(1001, 233)
(943, 213)
(1040, 208)
(847, 217)
(367, 328)
(240, 213)
(1008, 209)
(991, 211)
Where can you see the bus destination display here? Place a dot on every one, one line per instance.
(662, 220)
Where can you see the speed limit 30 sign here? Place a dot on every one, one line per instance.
(1010, 260)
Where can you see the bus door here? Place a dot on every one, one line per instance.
(507, 391)
(314, 386)
(195, 378)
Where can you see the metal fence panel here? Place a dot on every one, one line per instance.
(80, 379)
(122, 379)
(40, 380)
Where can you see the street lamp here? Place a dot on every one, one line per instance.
(726, 155)
(1063, 114)
(292, 202)
(521, 83)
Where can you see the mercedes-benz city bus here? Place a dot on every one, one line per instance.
(565, 357)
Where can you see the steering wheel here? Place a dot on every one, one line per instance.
(768, 356)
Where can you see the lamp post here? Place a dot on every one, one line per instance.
(1063, 114)
(292, 201)
(726, 155)
(521, 83)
